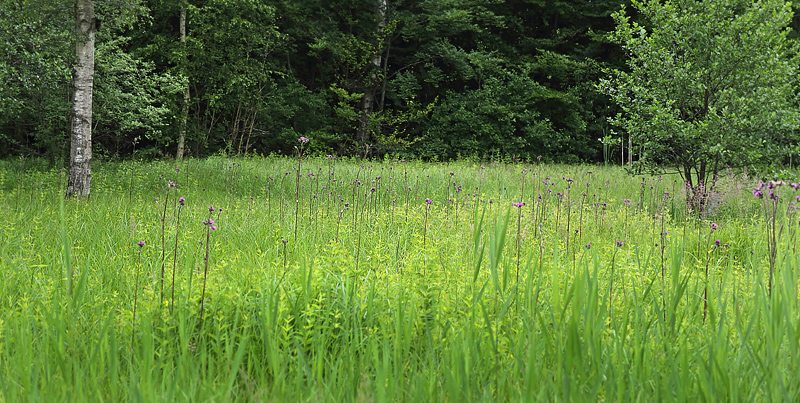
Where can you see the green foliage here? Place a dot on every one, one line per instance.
(492, 121)
(131, 98)
(34, 73)
(711, 84)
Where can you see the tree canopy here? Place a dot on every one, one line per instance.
(709, 85)
(436, 79)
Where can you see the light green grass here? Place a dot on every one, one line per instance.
(500, 304)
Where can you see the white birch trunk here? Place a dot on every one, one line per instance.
(80, 167)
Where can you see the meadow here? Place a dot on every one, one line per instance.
(273, 279)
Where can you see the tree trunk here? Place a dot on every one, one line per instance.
(80, 167)
(368, 101)
(185, 108)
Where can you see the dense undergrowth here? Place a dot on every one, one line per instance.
(331, 280)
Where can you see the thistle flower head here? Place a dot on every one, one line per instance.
(713, 226)
(181, 201)
(520, 204)
(620, 243)
(141, 243)
(210, 208)
(303, 140)
(429, 201)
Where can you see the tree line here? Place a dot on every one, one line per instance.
(434, 79)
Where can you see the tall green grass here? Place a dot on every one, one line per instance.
(382, 297)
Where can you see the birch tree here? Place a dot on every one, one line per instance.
(80, 172)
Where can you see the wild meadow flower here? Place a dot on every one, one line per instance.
(620, 243)
(714, 227)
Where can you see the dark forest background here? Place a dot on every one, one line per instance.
(431, 79)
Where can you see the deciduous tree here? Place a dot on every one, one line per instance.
(711, 85)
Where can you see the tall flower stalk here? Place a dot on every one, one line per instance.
(136, 295)
(181, 202)
(303, 141)
(163, 239)
(428, 203)
(210, 226)
(519, 241)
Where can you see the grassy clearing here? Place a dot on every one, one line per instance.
(434, 286)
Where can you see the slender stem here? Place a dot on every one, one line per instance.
(175, 259)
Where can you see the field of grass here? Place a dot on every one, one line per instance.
(330, 280)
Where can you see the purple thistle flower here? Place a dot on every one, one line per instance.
(177, 169)
(211, 208)
(520, 204)
(429, 201)
(717, 243)
(619, 243)
(181, 201)
(303, 140)
(213, 227)
(141, 243)
(589, 245)
(713, 226)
